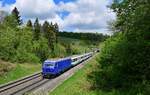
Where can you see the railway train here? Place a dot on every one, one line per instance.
(55, 67)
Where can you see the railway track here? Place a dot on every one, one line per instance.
(21, 85)
(24, 85)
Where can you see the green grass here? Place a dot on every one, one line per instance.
(20, 70)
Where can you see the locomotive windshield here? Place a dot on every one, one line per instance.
(49, 64)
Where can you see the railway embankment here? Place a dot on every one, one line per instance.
(13, 71)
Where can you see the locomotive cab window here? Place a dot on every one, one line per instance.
(50, 64)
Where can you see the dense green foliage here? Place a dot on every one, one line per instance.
(17, 45)
(95, 38)
(125, 57)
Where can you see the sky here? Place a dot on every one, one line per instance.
(71, 15)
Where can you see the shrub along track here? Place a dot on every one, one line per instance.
(27, 84)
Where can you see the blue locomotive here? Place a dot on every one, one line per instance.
(57, 66)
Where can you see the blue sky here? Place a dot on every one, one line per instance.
(71, 15)
(65, 1)
(8, 1)
(56, 1)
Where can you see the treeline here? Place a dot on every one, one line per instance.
(93, 37)
(125, 57)
(29, 43)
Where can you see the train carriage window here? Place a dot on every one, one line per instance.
(74, 59)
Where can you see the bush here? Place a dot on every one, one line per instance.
(5, 67)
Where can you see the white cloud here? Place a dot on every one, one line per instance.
(31, 9)
(85, 15)
(0, 3)
(43, 9)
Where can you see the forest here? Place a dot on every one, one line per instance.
(124, 62)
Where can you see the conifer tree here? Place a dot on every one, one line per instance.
(56, 27)
(15, 14)
(49, 34)
(36, 29)
(56, 30)
(29, 24)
